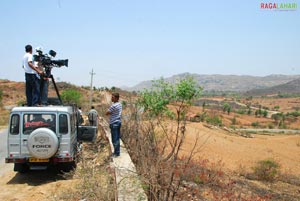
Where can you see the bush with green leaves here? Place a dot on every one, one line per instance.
(265, 113)
(294, 114)
(255, 124)
(227, 108)
(266, 170)
(71, 96)
(241, 111)
(155, 133)
(156, 100)
(214, 120)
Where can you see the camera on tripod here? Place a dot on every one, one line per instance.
(46, 61)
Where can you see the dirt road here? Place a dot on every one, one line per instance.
(92, 179)
(34, 185)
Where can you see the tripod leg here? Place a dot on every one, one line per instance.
(57, 93)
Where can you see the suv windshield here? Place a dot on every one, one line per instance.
(34, 121)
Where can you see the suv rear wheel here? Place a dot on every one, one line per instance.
(21, 167)
(67, 167)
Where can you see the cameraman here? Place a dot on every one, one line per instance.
(44, 81)
(31, 77)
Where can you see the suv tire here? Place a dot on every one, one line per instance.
(42, 143)
(21, 167)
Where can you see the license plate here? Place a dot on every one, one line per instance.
(38, 160)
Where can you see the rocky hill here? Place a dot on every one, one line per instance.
(292, 87)
(236, 83)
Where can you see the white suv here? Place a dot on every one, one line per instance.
(42, 136)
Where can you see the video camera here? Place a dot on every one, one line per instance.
(46, 61)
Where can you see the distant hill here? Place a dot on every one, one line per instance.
(235, 83)
(292, 87)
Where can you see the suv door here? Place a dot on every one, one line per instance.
(14, 136)
(86, 133)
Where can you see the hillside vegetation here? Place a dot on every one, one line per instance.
(220, 162)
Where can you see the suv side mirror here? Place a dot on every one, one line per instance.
(86, 133)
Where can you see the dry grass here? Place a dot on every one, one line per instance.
(4, 117)
(94, 178)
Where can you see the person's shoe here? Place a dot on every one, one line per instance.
(115, 155)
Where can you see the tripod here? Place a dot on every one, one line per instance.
(56, 89)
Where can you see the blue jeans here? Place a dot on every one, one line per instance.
(32, 89)
(115, 136)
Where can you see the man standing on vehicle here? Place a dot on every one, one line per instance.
(44, 80)
(31, 78)
(115, 112)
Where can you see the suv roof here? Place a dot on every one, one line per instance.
(44, 109)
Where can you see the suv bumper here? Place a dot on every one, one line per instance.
(51, 160)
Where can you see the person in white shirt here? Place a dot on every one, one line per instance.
(31, 77)
(93, 117)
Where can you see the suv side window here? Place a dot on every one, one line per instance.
(15, 124)
(63, 123)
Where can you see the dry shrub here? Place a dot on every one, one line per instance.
(266, 170)
(289, 178)
(230, 191)
(93, 176)
(4, 117)
(154, 147)
(204, 172)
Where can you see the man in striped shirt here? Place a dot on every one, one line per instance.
(115, 112)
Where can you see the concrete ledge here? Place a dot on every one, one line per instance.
(129, 186)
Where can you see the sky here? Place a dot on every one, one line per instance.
(126, 42)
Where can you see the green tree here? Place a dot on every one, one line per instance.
(227, 108)
(71, 96)
(124, 103)
(113, 89)
(161, 145)
(265, 113)
(249, 111)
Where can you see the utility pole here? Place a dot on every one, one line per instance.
(91, 89)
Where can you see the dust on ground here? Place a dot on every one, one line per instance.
(238, 152)
(53, 185)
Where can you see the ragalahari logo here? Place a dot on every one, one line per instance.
(274, 6)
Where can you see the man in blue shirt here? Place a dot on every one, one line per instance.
(115, 112)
